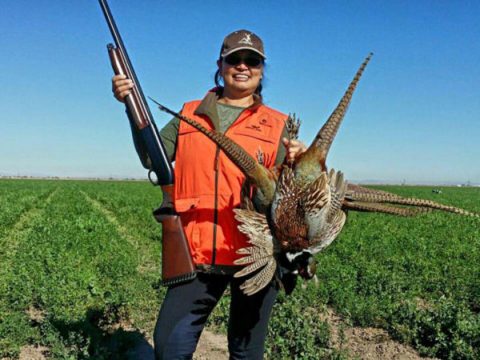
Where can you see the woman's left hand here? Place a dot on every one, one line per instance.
(294, 148)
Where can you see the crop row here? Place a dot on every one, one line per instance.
(131, 204)
(416, 277)
(18, 197)
(72, 279)
(88, 260)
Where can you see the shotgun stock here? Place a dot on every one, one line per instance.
(177, 263)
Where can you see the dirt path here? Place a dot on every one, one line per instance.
(211, 347)
(359, 343)
(366, 343)
(363, 343)
(33, 353)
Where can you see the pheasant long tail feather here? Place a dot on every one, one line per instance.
(357, 189)
(241, 158)
(322, 142)
(381, 208)
(245, 162)
(377, 198)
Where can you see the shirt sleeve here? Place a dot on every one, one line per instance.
(169, 134)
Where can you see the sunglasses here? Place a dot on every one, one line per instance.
(249, 60)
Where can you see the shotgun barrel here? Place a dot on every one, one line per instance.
(137, 105)
(177, 263)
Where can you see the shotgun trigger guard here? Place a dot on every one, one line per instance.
(154, 182)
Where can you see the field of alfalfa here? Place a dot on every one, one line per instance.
(80, 260)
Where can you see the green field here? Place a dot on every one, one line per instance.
(80, 275)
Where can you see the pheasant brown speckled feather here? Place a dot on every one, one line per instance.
(308, 164)
(353, 188)
(261, 253)
(302, 206)
(255, 172)
(359, 200)
(293, 126)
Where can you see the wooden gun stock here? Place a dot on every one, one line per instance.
(177, 263)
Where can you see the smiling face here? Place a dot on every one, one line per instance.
(241, 73)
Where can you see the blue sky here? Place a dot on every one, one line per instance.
(415, 115)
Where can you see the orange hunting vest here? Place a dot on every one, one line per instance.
(208, 184)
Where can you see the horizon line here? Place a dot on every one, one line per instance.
(133, 178)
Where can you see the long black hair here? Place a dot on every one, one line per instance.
(258, 90)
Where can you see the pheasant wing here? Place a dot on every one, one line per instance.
(334, 218)
(259, 257)
(330, 233)
(316, 199)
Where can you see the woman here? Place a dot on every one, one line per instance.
(207, 189)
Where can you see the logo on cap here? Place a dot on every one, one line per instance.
(246, 40)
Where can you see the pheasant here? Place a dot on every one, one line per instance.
(301, 207)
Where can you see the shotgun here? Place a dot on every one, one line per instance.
(177, 263)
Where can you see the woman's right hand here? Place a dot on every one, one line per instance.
(121, 87)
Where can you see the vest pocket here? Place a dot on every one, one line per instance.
(187, 209)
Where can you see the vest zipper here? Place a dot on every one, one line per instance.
(215, 206)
